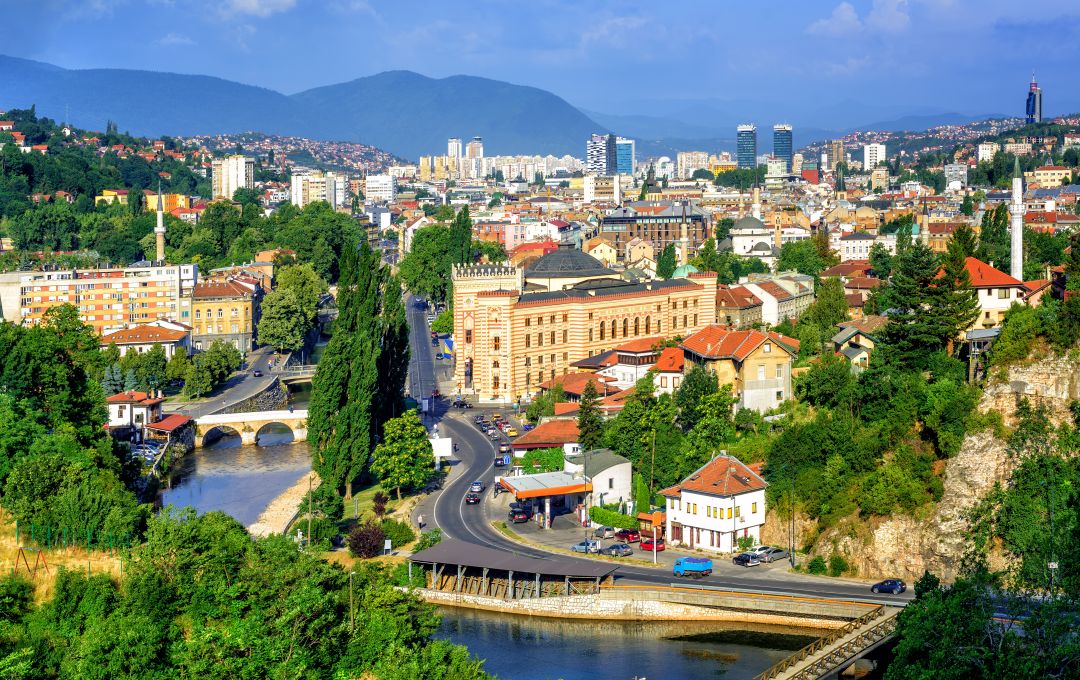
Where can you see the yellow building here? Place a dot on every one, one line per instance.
(1049, 176)
(225, 309)
(110, 196)
(515, 328)
(756, 364)
(602, 250)
(169, 201)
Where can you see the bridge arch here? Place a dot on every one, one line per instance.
(265, 436)
(215, 432)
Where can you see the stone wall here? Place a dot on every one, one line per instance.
(658, 605)
(1053, 381)
(273, 398)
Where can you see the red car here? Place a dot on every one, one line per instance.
(628, 535)
(647, 544)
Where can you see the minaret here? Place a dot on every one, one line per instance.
(1016, 224)
(755, 208)
(159, 230)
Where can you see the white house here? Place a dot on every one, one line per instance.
(856, 246)
(632, 361)
(721, 502)
(130, 412)
(609, 473)
(171, 336)
(996, 291)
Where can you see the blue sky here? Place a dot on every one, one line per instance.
(786, 56)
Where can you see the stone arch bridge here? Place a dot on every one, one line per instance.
(249, 425)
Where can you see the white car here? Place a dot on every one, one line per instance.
(758, 550)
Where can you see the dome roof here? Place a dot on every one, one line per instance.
(747, 223)
(683, 271)
(567, 262)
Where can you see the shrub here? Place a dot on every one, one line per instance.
(400, 576)
(16, 597)
(323, 530)
(366, 540)
(428, 539)
(608, 518)
(745, 543)
(378, 503)
(817, 566)
(399, 533)
(838, 565)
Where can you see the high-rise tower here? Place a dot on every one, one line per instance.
(746, 146)
(1034, 102)
(159, 230)
(781, 144)
(1016, 224)
(453, 147)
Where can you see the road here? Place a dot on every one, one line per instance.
(239, 387)
(472, 523)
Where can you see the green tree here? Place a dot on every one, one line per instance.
(404, 457)
(963, 243)
(967, 207)
(590, 421)
(666, 263)
(284, 320)
(830, 307)
(715, 425)
(444, 322)
(425, 269)
(698, 383)
(708, 259)
(881, 260)
(178, 365)
(801, 256)
(309, 287)
(994, 244)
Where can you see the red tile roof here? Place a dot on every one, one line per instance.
(671, 360)
(640, 345)
(133, 397)
(849, 268)
(861, 282)
(722, 476)
(736, 296)
(574, 383)
(143, 334)
(220, 289)
(566, 407)
(719, 342)
(548, 434)
(775, 289)
(1036, 284)
(984, 276)
(169, 423)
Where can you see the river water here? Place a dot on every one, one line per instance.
(529, 648)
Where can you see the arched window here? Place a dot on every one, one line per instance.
(637, 326)
(625, 326)
(614, 334)
(601, 330)
(495, 343)
(494, 364)
(648, 325)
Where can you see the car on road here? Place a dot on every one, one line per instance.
(434, 342)
(518, 516)
(618, 550)
(586, 547)
(511, 432)
(499, 461)
(770, 555)
(461, 403)
(527, 426)
(889, 585)
(745, 560)
(648, 543)
(604, 532)
(628, 535)
(477, 487)
(439, 356)
(257, 373)
(493, 435)
(472, 498)
(692, 567)
(757, 550)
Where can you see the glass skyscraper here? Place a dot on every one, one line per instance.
(746, 146)
(624, 156)
(1033, 109)
(781, 144)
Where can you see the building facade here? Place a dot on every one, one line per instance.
(872, 155)
(600, 155)
(680, 223)
(380, 189)
(756, 364)
(225, 309)
(746, 146)
(515, 329)
(231, 173)
(625, 156)
(720, 503)
(1033, 106)
(783, 145)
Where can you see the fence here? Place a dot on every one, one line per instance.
(47, 537)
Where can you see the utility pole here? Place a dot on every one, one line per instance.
(309, 499)
(351, 609)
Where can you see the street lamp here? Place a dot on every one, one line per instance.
(351, 609)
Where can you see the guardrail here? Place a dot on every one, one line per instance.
(871, 635)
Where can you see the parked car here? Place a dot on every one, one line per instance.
(647, 544)
(257, 373)
(479, 419)
(628, 535)
(493, 434)
(472, 498)
(499, 461)
(518, 506)
(746, 560)
(604, 532)
(773, 555)
(518, 516)
(434, 342)
(527, 426)
(477, 487)
(586, 547)
(693, 567)
(439, 356)
(504, 449)
(889, 585)
(618, 550)
(461, 403)
(435, 393)
(757, 550)
(511, 432)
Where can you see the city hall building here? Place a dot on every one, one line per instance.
(515, 328)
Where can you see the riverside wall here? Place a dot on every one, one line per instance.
(665, 605)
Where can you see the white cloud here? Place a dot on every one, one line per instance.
(174, 39)
(258, 8)
(843, 20)
(889, 16)
(848, 67)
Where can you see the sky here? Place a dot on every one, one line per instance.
(626, 57)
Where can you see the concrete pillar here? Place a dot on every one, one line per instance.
(547, 512)
(536, 593)
(457, 581)
(567, 585)
(510, 585)
(436, 577)
(485, 584)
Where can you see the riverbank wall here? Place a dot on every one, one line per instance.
(667, 604)
(284, 509)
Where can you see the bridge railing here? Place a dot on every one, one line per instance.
(821, 643)
(299, 369)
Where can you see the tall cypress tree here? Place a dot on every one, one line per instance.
(666, 264)
(341, 417)
(914, 299)
(394, 352)
(964, 242)
(590, 423)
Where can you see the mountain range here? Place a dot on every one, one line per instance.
(407, 113)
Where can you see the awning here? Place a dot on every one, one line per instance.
(169, 423)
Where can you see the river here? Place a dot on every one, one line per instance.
(529, 648)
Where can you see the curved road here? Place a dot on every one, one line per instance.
(472, 523)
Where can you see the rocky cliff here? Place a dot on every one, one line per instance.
(937, 538)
